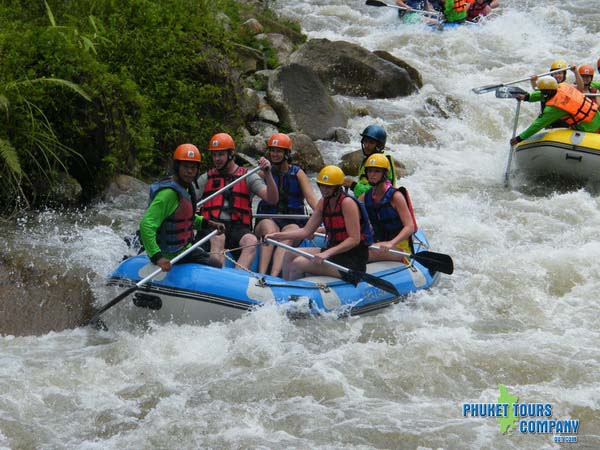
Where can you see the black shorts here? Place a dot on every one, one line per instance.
(196, 256)
(354, 259)
(283, 222)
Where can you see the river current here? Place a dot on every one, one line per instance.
(521, 309)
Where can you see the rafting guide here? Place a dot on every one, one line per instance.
(527, 418)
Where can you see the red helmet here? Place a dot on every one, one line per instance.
(586, 69)
(280, 140)
(598, 64)
(221, 141)
(187, 152)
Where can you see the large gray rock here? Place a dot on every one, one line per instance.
(302, 101)
(305, 153)
(349, 69)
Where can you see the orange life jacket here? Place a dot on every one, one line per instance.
(578, 107)
(239, 201)
(460, 5)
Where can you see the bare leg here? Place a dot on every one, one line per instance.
(375, 255)
(279, 252)
(217, 244)
(248, 241)
(299, 265)
(265, 226)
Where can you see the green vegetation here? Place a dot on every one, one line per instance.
(95, 87)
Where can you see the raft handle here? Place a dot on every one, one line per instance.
(576, 158)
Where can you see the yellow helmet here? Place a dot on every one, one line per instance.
(378, 160)
(331, 176)
(547, 84)
(558, 64)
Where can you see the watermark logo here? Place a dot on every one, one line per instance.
(522, 417)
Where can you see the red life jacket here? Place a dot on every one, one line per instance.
(239, 208)
(335, 226)
(578, 107)
(477, 10)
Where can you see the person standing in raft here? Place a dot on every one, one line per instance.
(234, 206)
(390, 212)
(562, 101)
(346, 225)
(294, 188)
(373, 141)
(167, 227)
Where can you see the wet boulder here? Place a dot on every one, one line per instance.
(302, 102)
(349, 69)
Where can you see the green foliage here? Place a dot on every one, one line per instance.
(95, 87)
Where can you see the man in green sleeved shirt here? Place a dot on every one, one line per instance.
(168, 225)
(373, 140)
(562, 102)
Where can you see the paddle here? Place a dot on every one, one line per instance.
(224, 188)
(512, 147)
(418, 11)
(493, 87)
(140, 283)
(438, 262)
(371, 279)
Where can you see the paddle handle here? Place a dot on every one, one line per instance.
(224, 188)
(305, 254)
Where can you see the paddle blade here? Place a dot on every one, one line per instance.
(509, 92)
(488, 88)
(437, 262)
(375, 281)
(376, 3)
(94, 320)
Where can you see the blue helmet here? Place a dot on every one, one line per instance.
(376, 133)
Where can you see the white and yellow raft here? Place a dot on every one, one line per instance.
(562, 153)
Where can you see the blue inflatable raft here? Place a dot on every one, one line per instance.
(194, 293)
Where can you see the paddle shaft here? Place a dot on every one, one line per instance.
(512, 147)
(305, 254)
(140, 283)
(224, 188)
(492, 87)
(438, 262)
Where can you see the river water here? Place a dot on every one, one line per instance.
(520, 310)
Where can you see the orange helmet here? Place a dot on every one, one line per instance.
(280, 140)
(187, 152)
(586, 69)
(221, 141)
